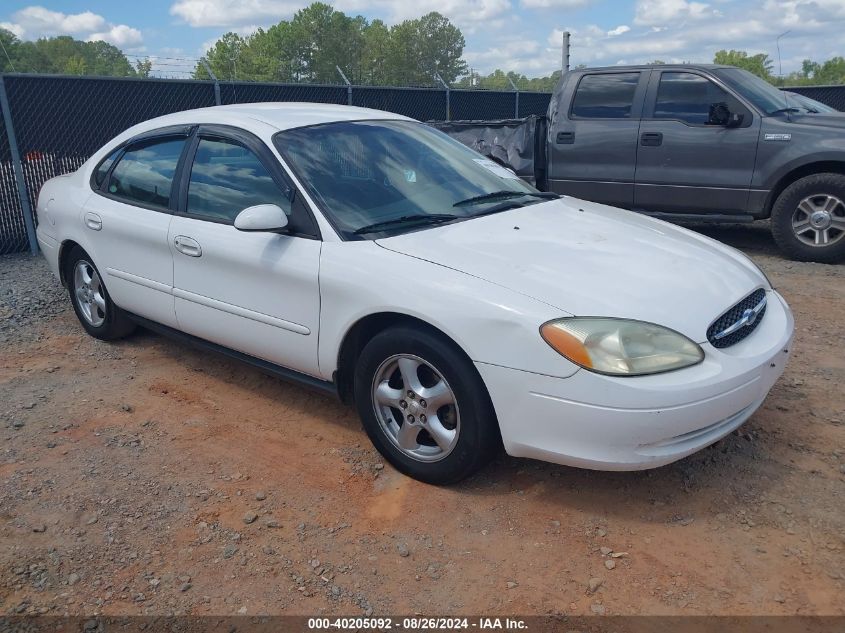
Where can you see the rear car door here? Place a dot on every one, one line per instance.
(593, 142)
(129, 218)
(685, 162)
(255, 292)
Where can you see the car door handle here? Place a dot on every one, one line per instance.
(187, 246)
(565, 138)
(651, 139)
(93, 221)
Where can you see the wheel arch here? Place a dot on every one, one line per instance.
(363, 331)
(65, 250)
(808, 169)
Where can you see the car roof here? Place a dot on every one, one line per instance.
(653, 66)
(282, 116)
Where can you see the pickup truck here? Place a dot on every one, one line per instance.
(688, 143)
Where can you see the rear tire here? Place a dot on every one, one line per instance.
(94, 308)
(424, 406)
(808, 219)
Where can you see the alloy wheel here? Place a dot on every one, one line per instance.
(416, 408)
(89, 293)
(819, 220)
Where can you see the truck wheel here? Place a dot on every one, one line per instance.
(424, 406)
(808, 219)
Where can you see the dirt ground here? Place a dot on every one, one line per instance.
(145, 477)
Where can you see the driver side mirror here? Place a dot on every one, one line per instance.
(262, 217)
(720, 114)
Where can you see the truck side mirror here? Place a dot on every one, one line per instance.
(719, 114)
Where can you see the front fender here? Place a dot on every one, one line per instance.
(491, 324)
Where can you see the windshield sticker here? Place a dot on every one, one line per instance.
(496, 168)
(410, 175)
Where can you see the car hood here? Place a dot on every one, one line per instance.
(587, 259)
(830, 120)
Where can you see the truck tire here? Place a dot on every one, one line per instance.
(808, 219)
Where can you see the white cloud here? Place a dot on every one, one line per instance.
(659, 12)
(35, 21)
(120, 35)
(42, 21)
(555, 4)
(17, 29)
(225, 13)
(467, 14)
(679, 31)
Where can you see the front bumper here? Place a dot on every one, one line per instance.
(609, 423)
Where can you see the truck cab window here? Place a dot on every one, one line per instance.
(605, 96)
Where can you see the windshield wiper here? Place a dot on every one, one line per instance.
(417, 218)
(498, 195)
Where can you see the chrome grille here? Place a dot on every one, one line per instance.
(720, 335)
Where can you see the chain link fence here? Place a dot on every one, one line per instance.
(13, 237)
(833, 96)
(59, 121)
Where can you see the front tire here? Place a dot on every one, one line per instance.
(94, 308)
(808, 219)
(424, 406)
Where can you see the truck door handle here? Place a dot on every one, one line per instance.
(565, 138)
(187, 246)
(651, 139)
(93, 221)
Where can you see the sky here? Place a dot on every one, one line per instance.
(519, 35)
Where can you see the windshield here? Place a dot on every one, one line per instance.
(758, 91)
(379, 178)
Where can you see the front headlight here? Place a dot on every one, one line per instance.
(620, 347)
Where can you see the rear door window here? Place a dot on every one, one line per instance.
(605, 96)
(144, 175)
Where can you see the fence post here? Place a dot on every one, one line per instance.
(516, 98)
(23, 194)
(448, 90)
(348, 86)
(214, 78)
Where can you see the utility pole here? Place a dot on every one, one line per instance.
(564, 65)
(348, 85)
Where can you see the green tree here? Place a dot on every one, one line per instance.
(143, 67)
(830, 72)
(759, 64)
(63, 55)
(9, 51)
(318, 39)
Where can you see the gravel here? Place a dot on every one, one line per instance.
(143, 506)
(29, 296)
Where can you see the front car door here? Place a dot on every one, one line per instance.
(593, 142)
(685, 162)
(255, 292)
(130, 214)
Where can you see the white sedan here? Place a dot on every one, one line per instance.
(460, 309)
